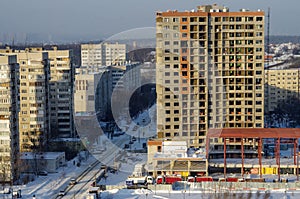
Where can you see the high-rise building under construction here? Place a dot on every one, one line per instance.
(210, 70)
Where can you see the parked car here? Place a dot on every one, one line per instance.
(7, 190)
(42, 173)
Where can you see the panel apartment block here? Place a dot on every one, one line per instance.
(61, 92)
(103, 54)
(9, 108)
(281, 86)
(34, 115)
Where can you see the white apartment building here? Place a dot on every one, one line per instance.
(103, 54)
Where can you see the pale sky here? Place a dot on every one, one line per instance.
(104, 18)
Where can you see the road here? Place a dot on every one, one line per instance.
(107, 157)
(80, 189)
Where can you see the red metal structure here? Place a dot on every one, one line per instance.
(257, 133)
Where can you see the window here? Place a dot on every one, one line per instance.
(259, 34)
(184, 19)
(238, 19)
(166, 19)
(176, 35)
(184, 35)
(259, 18)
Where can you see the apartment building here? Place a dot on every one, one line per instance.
(9, 127)
(281, 86)
(61, 92)
(94, 90)
(103, 54)
(209, 72)
(34, 115)
(85, 91)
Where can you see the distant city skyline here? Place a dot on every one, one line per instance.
(74, 20)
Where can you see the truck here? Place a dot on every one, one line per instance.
(134, 182)
(94, 192)
(168, 179)
(204, 179)
(232, 179)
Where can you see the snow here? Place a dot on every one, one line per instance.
(150, 194)
(48, 186)
(141, 127)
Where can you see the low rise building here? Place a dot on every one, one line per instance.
(35, 162)
(175, 158)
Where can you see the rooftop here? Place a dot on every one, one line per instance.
(42, 155)
(254, 133)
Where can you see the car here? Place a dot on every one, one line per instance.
(133, 138)
(7, 190)
(61, 193)
(42, 173)
(73, 181)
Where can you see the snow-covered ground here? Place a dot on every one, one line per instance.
(142, 127)
(158, 194)
(49, 186)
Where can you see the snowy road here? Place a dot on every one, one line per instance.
(80, 189)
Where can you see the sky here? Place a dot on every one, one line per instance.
(92, 19)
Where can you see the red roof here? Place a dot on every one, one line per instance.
(254, 133)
